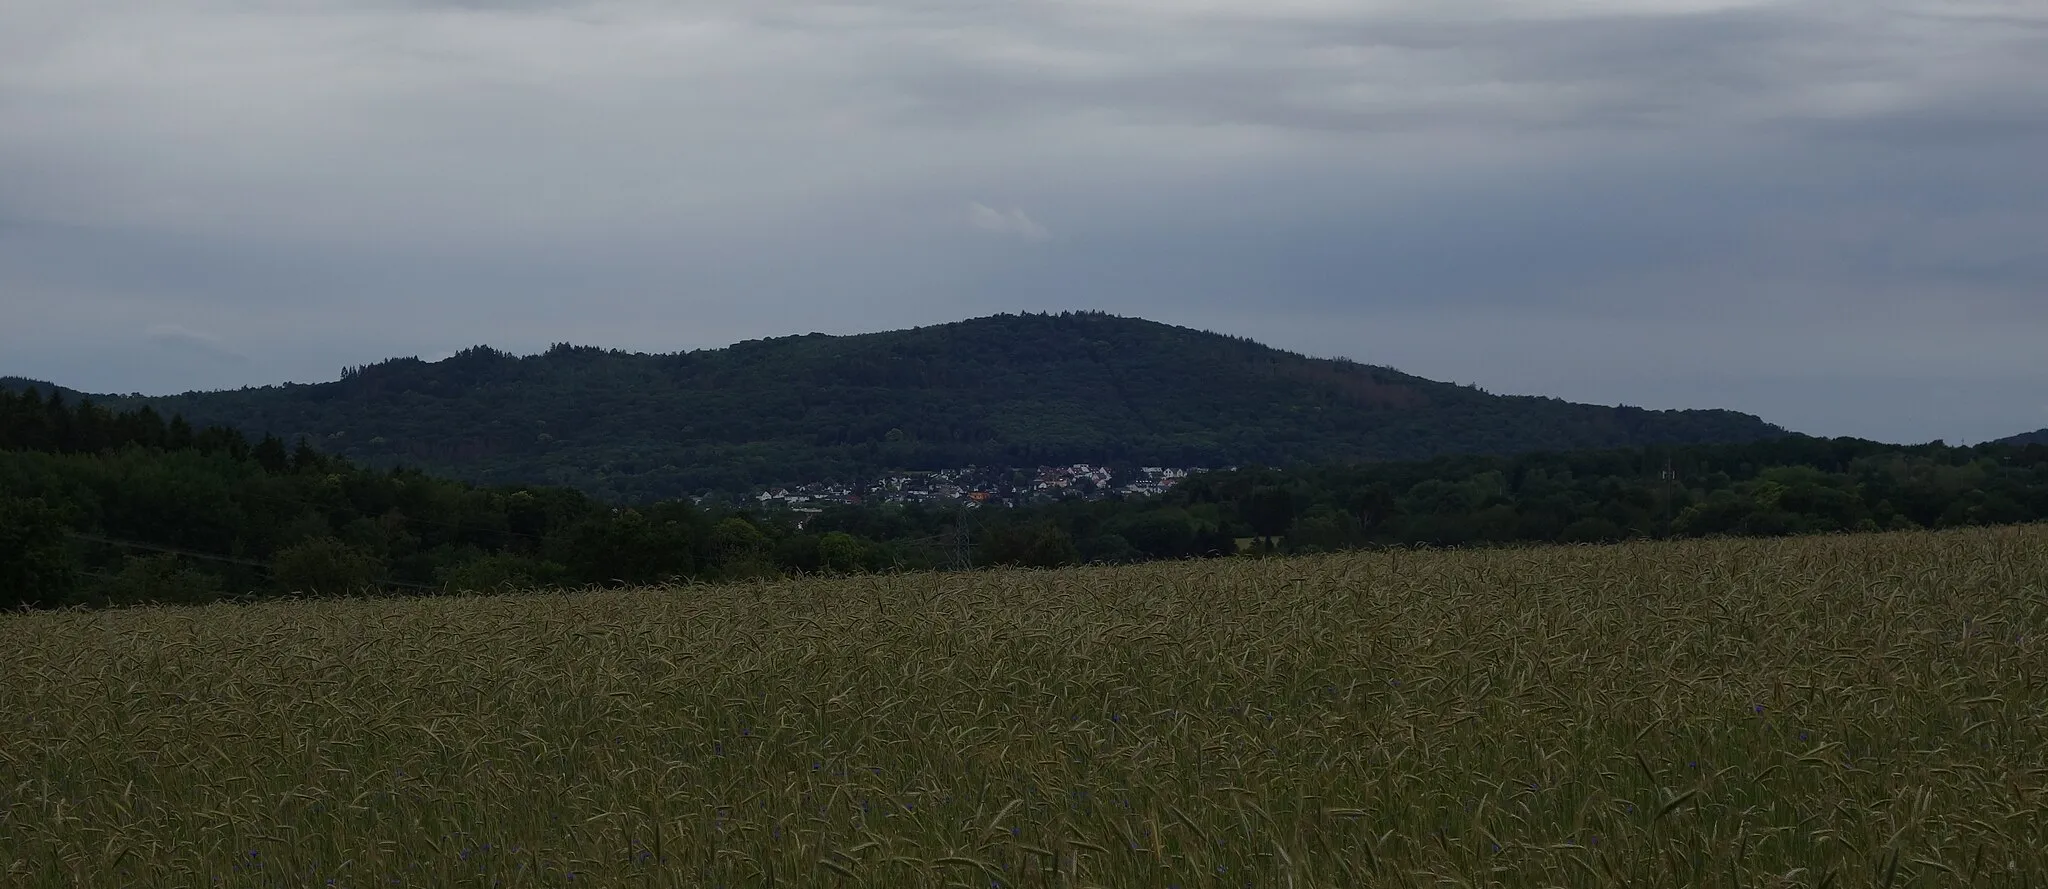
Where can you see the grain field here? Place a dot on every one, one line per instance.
(1842, 711)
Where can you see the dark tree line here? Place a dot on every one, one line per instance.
(1791, 485)
(102, 507)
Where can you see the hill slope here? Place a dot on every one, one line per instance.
(1000, 391)
(19, 384)
(2038, 436)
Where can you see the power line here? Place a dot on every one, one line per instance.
(136, 544)
(194, 554)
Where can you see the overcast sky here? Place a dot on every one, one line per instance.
(1830, 213)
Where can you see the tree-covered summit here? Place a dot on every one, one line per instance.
(1006, 390)
(2038, 436)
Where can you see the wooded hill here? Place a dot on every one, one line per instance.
(100, 507)
(2039, 436)
(1007, 390)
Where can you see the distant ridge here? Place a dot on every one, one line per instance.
(2038, 436)
(1006, 390)
(44, 387)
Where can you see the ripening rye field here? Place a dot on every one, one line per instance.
(1849, 711)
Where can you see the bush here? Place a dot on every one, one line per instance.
(1037, 545)
(37, 568)
(500, 573)
(324, 566)
(842, 553)
(735, 541)
(1592, 530)
(161, 579)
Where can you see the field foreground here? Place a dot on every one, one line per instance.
(1826, 711)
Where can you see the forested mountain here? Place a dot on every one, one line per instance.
(2038, 436)
(101, 507)
(1008, 390)
(24, 384)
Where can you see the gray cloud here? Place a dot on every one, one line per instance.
(1005, 222)
(1787, 206)
(179, 337)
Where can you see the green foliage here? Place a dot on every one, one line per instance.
(1156, 533)
(36, 567)
(1790, 485)
(842, 553)
(1326, 528)
(324, 566)
(1009, 390)
(162, 579)
(501, 572)
(75, 521)
(630, 547)
(1592, 529)
(1037, 545)
(263, 520)
(736, 541)
(1107, 548)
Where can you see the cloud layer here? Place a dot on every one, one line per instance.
(180, 338)
(1829, 212)
(1012, 222)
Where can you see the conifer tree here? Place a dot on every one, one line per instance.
(305, 459)
(270, 455)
